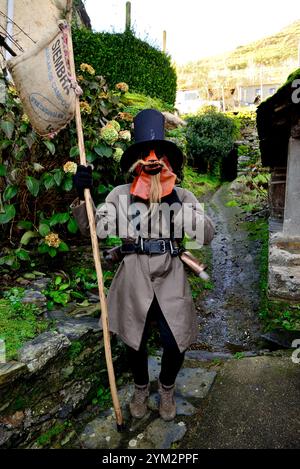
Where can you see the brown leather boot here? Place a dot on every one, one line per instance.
(167, 406)
(138, 404)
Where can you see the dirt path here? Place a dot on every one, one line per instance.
(228, 315)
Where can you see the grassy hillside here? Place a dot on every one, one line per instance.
(274, 56)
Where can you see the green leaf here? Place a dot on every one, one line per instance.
(28, 236)
(102, 189)
(68, 183)
(50, 146)
(63, 247)
(50, 305)
(58, 176)
(48, 181)
(3, 170)
(10, 192)
(75, 294)
(90, 157)
(63, 286)
(61, 298)
(10, 260)
(59, 218)
(24, 225)
(52, 251)
(8, 128)
(8, 215)
(43, 248)
(44, 229)
(103, 150)
(33, 185)
(22, 254)
(72, 226)
(5, 144)
(58, 280)
(74, 152)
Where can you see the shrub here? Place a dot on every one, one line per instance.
(123, 57)
(35, 191)
(210, 138)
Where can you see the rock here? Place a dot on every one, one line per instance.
(41, 283)
(284, 267)
(92, 297)
(125, 394)
(74, 330)
(159, 435)
(82, 311)
(34, 297)
(5, 436)
(183, 407)
(194, 382)
(23, 281)
(29, 276)
(43, 348)
(56, 315)
(13, 421)
(281, 338)
(172, 121)
(203, 355)
(101, 434)
(66, 372)
(67, 438)
(154, 364)
(74, 395)
(10, 371)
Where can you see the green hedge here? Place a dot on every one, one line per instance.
(124, 58)
(210, 139)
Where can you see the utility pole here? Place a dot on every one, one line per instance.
(261, 83)
(223, 99)
(128, 16)
(164, 41)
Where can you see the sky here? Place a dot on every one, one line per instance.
(195, 28)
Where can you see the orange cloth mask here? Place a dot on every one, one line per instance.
(141, 184)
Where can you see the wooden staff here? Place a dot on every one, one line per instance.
(94, 240)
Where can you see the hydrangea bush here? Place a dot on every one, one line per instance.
(36, 174)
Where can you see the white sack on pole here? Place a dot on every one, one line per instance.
(43, 79)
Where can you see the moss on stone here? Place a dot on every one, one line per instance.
(75, 349)
(47, 437)
(18, 323)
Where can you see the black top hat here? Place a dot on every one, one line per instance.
(149, 133)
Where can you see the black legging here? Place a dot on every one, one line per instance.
(172, 358)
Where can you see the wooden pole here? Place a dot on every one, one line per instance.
(95, 246)
(164, 41)
(128, 16)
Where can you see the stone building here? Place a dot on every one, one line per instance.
(248, 94)
(278, 121)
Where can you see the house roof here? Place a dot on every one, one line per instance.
(275, 118)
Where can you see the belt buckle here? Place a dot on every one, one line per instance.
(163, 245)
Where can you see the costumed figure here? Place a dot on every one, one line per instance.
(151, 215)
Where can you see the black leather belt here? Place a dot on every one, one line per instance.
(150, 246)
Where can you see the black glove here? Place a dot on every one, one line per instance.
(83, 179)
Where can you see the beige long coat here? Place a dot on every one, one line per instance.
(140, 277)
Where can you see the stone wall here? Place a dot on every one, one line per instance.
(249, 138)
(57, 374)
(284, 268)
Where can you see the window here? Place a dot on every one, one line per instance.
(272, 90)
